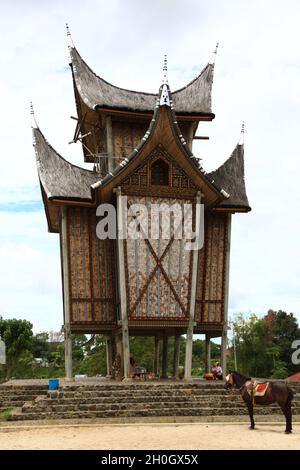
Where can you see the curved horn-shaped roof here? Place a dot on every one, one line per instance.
(231, 177)
(58, 177)
(194, 98)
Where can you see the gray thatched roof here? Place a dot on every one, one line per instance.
(96, 92)
(58, 177)
(230, 176)
(169, 103)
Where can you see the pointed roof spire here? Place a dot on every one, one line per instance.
(165, 96)
(241, 140)
(165, 70)
(33, 121)
(69, 37)
(214, 55)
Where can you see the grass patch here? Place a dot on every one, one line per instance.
(5, 415)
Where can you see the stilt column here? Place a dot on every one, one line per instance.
(207, 353)
(176, 356)
(108, 356)
(156, 356)
(226, 299)
(190, 330)
(164, 374)
(65, 275)
(122, 288)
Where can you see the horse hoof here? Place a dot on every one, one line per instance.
(288, 432)
(251, 427)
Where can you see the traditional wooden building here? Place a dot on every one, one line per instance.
(140, 145)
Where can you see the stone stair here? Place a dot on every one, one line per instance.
(137, 400)
(16, 396)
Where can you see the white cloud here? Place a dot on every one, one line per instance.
(257, 76)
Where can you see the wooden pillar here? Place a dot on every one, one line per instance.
(207, 353)
(66, 294)
(109, 144)
(122, 290)
(226, 298)
(164, 374)
(190, 330)
(223, 352)
(156, 356)
(176, 356)
(190, 136)
(109, 356)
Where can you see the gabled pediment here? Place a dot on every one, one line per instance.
(163, 135)
(159, 173)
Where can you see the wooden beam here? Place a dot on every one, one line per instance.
(226, 297)
(207, 353)
(66, 294)
(164, 372)
(190, 330)
(180, 117)
(176, 356)
(109, 144)
(122, 289)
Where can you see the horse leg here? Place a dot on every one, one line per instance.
(250, 411)
(288, 413)
(288, 416)
(286, 410)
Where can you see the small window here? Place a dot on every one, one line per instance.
(160, 173)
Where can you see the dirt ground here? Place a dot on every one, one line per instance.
(192, 436)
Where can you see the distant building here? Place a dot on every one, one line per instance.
(39, 362)
(294, 377)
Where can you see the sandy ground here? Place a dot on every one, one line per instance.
(192, 436)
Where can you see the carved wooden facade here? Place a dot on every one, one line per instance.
(146, 156)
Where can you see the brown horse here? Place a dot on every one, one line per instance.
(277, 392)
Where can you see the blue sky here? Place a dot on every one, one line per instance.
(257, 78)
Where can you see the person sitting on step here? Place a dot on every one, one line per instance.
(217, 371)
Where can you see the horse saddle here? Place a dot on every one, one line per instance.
(257, 389)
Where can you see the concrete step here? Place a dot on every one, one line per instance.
(211, 401)
(129, 400)
(22, 388)
(140, 406)
(155, 412)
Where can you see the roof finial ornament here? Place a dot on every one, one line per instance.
(241, 141)
(214, 55)
(165, 70)
(33, 121)
(69, 37)
(164, 99)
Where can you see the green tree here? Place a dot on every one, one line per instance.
(263, 345)
(17, 335)
(40, 345)
(283, 330)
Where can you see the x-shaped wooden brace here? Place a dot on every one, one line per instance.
(158, 266)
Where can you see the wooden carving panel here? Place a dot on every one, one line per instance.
(211, 272)
(158, 271)
(91, 270)
(140, 180)
(126, 136)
